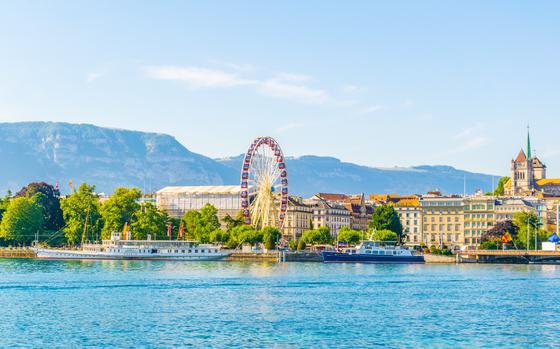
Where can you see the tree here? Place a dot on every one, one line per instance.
(349, 236)
(271, 236)
(385, 235)
(119, 209)
(321, 236)
(49, 202)
(492, 238)
(527, 223)
(4, 204)
(22, 220)
(191, 219)
(500, 190)
(208, 222)
(148, 220)
(385, 217)
(220, 236)
(81, 214)
(301, 245)
(200, 224)
(233, 222)
(246, 234)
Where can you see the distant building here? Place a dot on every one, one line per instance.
(360, 211)
(330, 214)
(181, 199)
(479, 216)
(410, 215)
(299, 218)
(528, 176)
(443, 221)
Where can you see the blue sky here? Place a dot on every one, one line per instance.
(394, 83)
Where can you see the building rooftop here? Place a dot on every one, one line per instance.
(521, 157)
(201, 189)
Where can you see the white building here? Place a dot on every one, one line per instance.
(178, 200)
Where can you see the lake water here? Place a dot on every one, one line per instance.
(155, 304)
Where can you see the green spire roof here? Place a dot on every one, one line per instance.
(529, 156)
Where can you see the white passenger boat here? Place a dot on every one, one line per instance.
(116, 248)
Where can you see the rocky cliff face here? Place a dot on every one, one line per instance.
(105, 157)
(108, 158)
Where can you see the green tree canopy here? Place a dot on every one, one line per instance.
(191, 220)
(4, 203)
(385, 217)
(500, 190)
(119, 209)
(149, 220)
(385, 235)
(233, 222)
(349, 236)
(246, 234)
(79, 208)
(271, 236)
(527, 224)
(200, 224)
(22, 220)
(320, 236)
(49, 202)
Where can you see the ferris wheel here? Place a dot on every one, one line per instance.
(264, 184)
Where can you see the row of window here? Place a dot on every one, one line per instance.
(440, 227)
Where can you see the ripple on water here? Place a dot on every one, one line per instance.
(134, 304)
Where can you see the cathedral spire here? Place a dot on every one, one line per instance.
(529, 156)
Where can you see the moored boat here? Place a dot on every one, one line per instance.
(372, 252)
(115, 248)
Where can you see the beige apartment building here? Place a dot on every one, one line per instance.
(329, 214)
(410, 214)
(443, 219)
(479, 216)
(299, 218)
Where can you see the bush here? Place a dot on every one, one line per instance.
(301, 245)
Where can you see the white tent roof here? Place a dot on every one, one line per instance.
(201, 189)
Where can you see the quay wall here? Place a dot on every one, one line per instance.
(16, 252)
(438, 259)
(239, 256)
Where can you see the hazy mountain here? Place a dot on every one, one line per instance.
(108, 158)
(47, 151)
(313, 174)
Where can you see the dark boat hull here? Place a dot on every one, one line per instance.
(337, 257)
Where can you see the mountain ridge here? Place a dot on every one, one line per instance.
(110, 157)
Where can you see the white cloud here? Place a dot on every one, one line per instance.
(352, 88)
(91, 77)
(290, 126)
(197, 77)
(470, 144)
(276, 88)
(371, 109)
(284, 85)
(465, 133)
(292, 77)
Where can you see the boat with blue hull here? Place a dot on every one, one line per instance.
(372, 252)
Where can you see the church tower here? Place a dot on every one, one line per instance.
(522, 172)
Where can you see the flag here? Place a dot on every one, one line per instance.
(181, 230)
(506, 238)
(169, 231)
